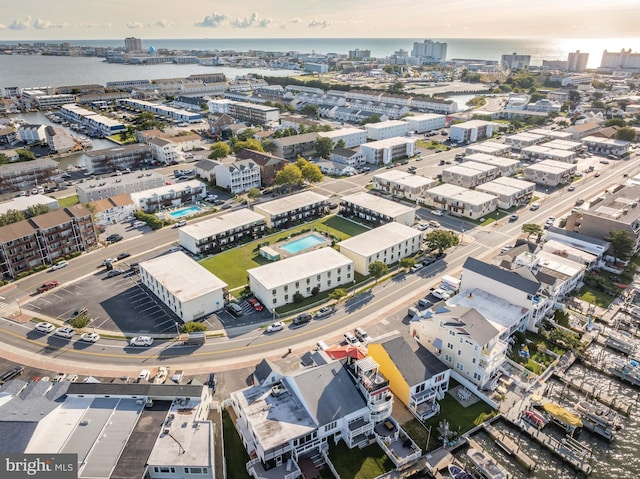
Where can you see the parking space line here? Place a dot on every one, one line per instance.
(155, 306)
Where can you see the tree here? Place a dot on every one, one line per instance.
(289, 176)
(4, 159)
(626, 134)
(378, 269)
(574, 96)
(35, 210)
(219, 150)
(323, 147)
(250, 144)
(25, 155)
(397, 87)
(269, 146)
(311, 173)
(12, 216)
(254, 193)
(615, 122)
(375, 118)
(298, 297)
(310, 110)
(338, 293)
(532, 229)
(245, 135)
(407, 263)
(621, 244)
(441, 240)
(193, 327)
(341, 144)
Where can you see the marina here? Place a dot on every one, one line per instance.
(486, 465)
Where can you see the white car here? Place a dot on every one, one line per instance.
(143, 376)
(423, 226)
(440, 293)
(90, 337)
(141, 341)
(59, 265)
(180, 223)
(44, 327)
(64, 332)
(351, 339)
(437, 212)
(275, 327)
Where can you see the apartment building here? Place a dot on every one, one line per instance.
(426, 122)
(388, 243)
(188, 289)
(31, 134)
(469, 174)
(509, 191)
(289, 210)
(168, 196)
(386, 129)
(116, 209)
(174, 114)
(171, 150)
(27, 174)
(550, 172)
(291, 147)
(238, 177)
(345, 156)
(59, 141)
(44, 239)
(460, 201)
(385, 151)
(222, 232)
(375, 210)
(506, 166)
(542, 152)
(606, 146)
(249, 112)
(352, 137)
(489, 148)
(23, 203)
(93, 190)
(402, 184)
(523, 140)
(95, 122)
(323, 269)
(117, 158)
(471, 131)
(7, 135)
(515, 61)
(269, 164)
(434, 105)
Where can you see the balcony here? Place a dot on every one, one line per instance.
(286, 470)
(396, 443)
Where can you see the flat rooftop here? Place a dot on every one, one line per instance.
(424, 117)
(506, 185)
(525, 137)
(484, 148)
(388, 142)
(290, 203)
(182, 276)
(386, 124)
(221, 224)
(22, 203)
(551, 133)
(551, 166)
(605, 141)
(342, 132)
(163, 190)
(491, 159)
(500, 313)
(563, 144)
(375, 203)
(380, 238)
(126, 179)
(298, 267)
(471, 168)
(472, 124)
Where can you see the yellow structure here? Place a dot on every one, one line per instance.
(397, 382)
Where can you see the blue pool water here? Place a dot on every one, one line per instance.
(298, 245)
(185, 211)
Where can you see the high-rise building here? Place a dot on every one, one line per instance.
(132, 44)
(622, 59)
(429, 51)
(515, 61)
(577, 62)
(358, 54)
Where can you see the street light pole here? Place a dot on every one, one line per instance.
(177, 329)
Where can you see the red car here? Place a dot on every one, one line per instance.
(255, 304)
(47, 286)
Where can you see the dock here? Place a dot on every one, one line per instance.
(590, 390)
(510, 447)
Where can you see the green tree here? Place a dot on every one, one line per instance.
(79, 321)
(532, 229)
(441, 240)
(250, 144)
(574, 96)
(219, 150)
(289, 176)
(323, 147)
(204, 106)
(397, 87)
(35, 210)
(407, 263)
(310, 110)
(378, 269)
(338, 293)
(375, 118)
(12, 216)
(626, 134)
(245, 135)
(128, 134)
(298, 297)
(269, 146)
(311, 173)
(621, 244)
(254, 193)
(341, 144)
(25, 155)
(193, 327)
(615, 122)
(4, 159)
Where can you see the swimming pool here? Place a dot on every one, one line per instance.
(301, 244)
(191, 210)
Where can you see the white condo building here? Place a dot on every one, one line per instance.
(387, 129)
(386, 151)
(426, 122)
(352, 137)
(238, 177)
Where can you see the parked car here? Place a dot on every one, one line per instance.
(423, 226)
(180, 223)
(114, 272)
(44, 327)
(90, 337)
(441, 294)
(513, 218)
(424, 303)
(64, 332)
(108, 261)
(534, 206)
(138, 224)
(141, 341)
(234, 309)
(351, 339)
(47, 286)
(60, 265)
(302, 319)
(571, 188)
(115, 237)
(11, 373)
(212, 382)
(324, 312)
(123, 256)
(143, 376)
(437, 212)
(255, 304)
(362, 335)
(416, 267)
(275, 327)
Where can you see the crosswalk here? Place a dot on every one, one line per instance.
(3, 304)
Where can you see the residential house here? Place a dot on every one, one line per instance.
(205, 168)
(402, 184)
(113, 210)
(291, 147)
(238, 177)
(31, 134)
(268, 163)
(352, 158)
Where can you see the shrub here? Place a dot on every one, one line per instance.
(298, 297)
(193, 327)
(80, 321)
(315, 291)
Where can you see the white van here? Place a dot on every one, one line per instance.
(440, 293)
(322, 346)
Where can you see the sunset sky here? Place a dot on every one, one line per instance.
(107, 19)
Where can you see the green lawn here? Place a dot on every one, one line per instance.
(594, 296)
(68, 201)
(235, 455)
(231, 266)
(365, 463)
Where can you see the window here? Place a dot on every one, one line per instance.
(286, 297)
(286, 288)
(450, 346)
(460, 366)
(330, 426)
(297, 284)
(473, 360)
(273, 292)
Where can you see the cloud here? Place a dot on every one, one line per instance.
(40, 24)
(245, 22)
(135, 25)
(315, 23)
(20, 24)
(295, 20)
(214, 20)
(164, 23)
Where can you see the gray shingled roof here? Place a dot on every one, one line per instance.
(415, 363)
(578, 236)
(471, 322)
(506, 277)
(137, 389)
(263, 369)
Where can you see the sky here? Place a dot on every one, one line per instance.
(113, 19)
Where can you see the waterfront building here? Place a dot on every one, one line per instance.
(188, 289)
(166, 196)
(96, 123)
(388, 243)
(624, 59)
(402, 184)
(550, 172)
(59, 141)
(243, 111)
(509, 191)
(222, 232)
(429, 51)
(375, 210)
(132, 44)
(44, 239)
(92, 190)
(117, 158)
(577, 61)
(276, 284)
(27, 174)
(7, 135)
(515, 61)
(358, 54)
(169, 112)
(289, 210)
(31, 134)
(170, 150)
(460, 201)
(238, 177)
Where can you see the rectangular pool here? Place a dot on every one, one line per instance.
(301, 244)
(191, 210)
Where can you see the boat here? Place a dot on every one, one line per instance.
(161, 377)
(620, 341)
(535, 418)
(598, 419)
(627, 370)
(564, 418)
(487, 465)
(456, 472)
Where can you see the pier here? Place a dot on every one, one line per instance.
(510, 447)
(591, 391)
